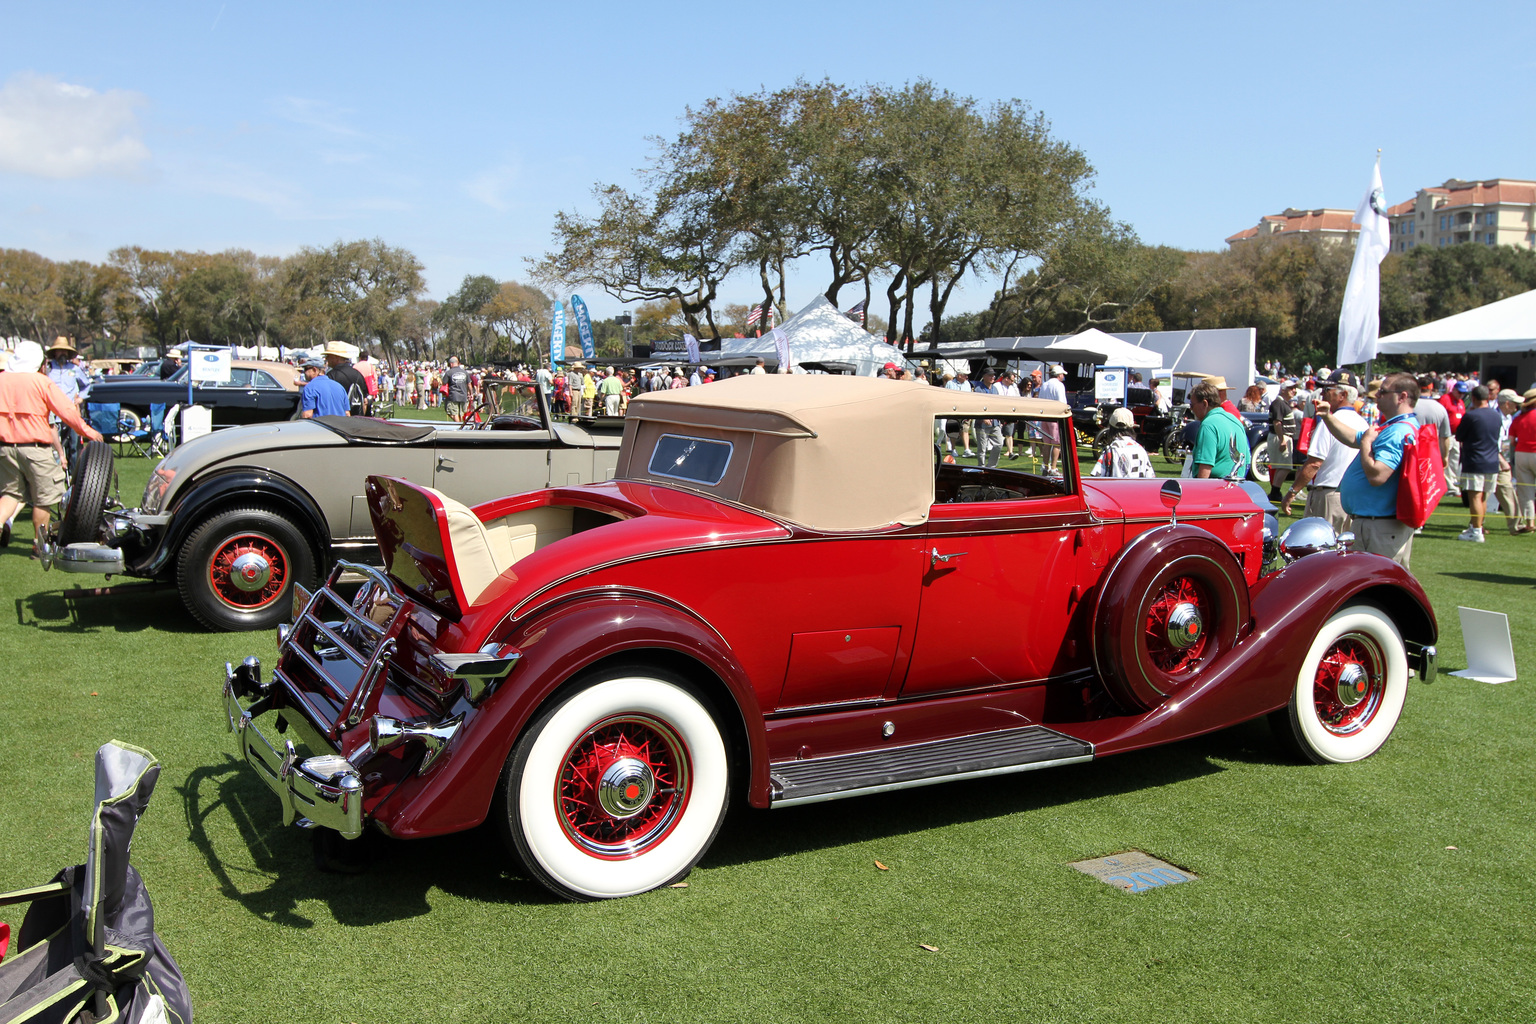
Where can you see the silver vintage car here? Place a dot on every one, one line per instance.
(237, 517)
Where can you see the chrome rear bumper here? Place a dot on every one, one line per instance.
(325, 790)
(83, 557)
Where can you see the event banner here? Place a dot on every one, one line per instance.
(781, 345)
(583, 326)
(557, 334)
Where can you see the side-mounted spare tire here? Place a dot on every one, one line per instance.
(87, 498)
(1170, 605)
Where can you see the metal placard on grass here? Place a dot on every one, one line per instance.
(1133, 871)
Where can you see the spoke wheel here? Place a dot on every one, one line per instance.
(624, 786)
(237, 570)
(1350, 689)
(248, 572)
(617, 788)
(1175, 632)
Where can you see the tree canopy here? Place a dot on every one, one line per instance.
(915, 184)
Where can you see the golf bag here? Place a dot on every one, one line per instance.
(88, 951)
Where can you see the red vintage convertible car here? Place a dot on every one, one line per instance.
(786, 592)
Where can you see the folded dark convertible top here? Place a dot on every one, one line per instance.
(375, 431)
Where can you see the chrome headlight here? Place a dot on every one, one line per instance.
(1309, 536)
(1271, 536)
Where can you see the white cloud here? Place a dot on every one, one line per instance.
(52, 129)
(320, 115)
(491, 187)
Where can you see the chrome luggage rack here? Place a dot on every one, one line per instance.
(350, 636)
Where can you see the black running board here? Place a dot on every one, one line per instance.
(922, 764)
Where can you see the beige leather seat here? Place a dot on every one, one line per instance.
(483, 551)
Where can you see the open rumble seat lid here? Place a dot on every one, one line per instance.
(830, 453)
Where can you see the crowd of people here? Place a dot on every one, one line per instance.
(1340, 442)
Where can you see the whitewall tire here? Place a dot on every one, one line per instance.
(1349, 693)
(617, 789)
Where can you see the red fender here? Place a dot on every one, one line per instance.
(558, 643)
(1260, 674)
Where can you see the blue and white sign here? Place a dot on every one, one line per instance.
(557, 334)
(583, 326)
(781, 346)
(1109, 384)
(210, 366)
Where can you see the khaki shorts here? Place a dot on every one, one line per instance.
(1279, 451)
(31, 474)
(1390, 538)
(1479, 483)
(455, 410)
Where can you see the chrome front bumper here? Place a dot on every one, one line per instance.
(325, 790)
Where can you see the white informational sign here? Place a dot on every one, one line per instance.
(195, 422)
(1109, 385)
(211, 365)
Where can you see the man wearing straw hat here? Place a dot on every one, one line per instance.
(69, 375)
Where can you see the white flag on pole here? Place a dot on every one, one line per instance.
(692, 345)
(1360, 317)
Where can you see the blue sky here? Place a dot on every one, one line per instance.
(457, 130)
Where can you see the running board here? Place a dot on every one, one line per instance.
(922, 764)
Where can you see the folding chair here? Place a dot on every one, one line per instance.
(114, 424)
(89, 950)
(152, 440)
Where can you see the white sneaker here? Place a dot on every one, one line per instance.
(1471, 533)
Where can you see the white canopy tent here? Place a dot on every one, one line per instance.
(1096, 347)
(1508, 325)
(820, 333)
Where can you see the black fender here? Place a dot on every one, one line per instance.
(562, 643)
(1129, 669)
(243, 486)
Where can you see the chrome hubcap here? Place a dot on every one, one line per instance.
(1185, 626)
(626, 787)
(250, 572)
(1354, 684)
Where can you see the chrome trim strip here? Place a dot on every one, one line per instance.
(1008, 769)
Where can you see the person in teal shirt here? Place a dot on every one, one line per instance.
(1221, 435)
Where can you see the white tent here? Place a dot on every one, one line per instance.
(1508, 325)
(819, 333)
(1096, 347)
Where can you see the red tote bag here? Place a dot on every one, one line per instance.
(1422, 483)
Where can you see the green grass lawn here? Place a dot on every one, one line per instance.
(1397, 889)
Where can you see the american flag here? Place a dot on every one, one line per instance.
(757, 314)
(856, 311)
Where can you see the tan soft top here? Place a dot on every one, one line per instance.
(829, 452)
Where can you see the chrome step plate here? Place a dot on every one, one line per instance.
(922, 764)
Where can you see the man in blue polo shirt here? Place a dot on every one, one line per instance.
(322, 396)
(1368, 491)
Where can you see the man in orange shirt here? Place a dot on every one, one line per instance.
(28, 470)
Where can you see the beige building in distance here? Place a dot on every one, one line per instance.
(1500, 211)
(1495, 212)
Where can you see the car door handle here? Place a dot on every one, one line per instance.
(443, 460)
(934, 558)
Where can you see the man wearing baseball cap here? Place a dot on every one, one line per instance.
(28, 470)
(1328, 457)
(322, 395)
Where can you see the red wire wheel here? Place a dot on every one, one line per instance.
(1349, 690)
(624, 785)
(1175, 632)
(1349, 684)
(248, 572)
(1171, 604)
(617, 787)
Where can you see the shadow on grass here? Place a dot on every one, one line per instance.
(1500, 579)
(274, 873)
(124, 608)
(761, 835)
